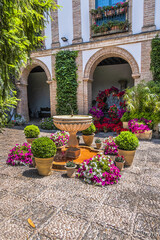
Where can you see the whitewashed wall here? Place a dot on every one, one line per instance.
(137, 15)
(135, 50)
(157, 14)
(108, 76)
(65, 21)
(85, 20)
(47, 61)
(86, 55)
(48, 34)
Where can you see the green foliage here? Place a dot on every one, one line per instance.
(6, 104)
(20, 23)
(31, 131)
(43, 147)
(90, 130)
(98, 140)
(155, 58)
(47, 123)
(143, 101)
(66, 76)
(127, 141)
(126, 117)
(70, 164)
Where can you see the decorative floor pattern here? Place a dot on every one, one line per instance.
(68, 209)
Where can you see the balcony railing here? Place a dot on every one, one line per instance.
(109, 20)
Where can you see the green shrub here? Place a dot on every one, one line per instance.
(127, 141)
(90, 130)
(126, 117)
(70, 164)
(31, 131)
(43, 147)
(47, 123)
(98, 140)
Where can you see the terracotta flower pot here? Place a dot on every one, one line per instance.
(30, 140)
(125, 125)
(98, 145)
(44, 166)
(88, 139)
(119, 165)
(112, 157)
(147, 135)
(71, 171)
(128, 156)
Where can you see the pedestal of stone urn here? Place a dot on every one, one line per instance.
(72, 124)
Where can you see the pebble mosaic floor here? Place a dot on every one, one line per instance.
(68, 209)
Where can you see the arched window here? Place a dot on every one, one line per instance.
(101, 3)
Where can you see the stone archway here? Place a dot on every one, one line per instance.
(95, 60)
(22, 107)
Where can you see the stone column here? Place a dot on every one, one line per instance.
(79, 64)
(136, 78)
(53, 88)
(146, 74)
(55, 28)
(87, 93)
(77, 32)
(22, 107)
(149, 16)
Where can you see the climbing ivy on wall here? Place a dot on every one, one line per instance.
(66, 76)
(155, 58)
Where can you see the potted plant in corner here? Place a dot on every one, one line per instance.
(88, 135)
(127, 144)
(119, 161)
(71, 167)
(31, 133)
(98, 143)
(43, 149)
(125, 119)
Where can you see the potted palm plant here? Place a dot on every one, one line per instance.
(88, 135)
(98, 143)
(127, 143)
(70, 166)
(119, 161)
(43, 149)
(31, 133)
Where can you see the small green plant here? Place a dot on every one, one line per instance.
(98, 140)
(31, 131)
(43, 147)
(127, 141)
(70, 164)
(119, 159)
(47, 123)
(126, 117)
(90, 130)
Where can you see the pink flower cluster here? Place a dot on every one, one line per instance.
(96, 112)
(99, 170)
(110, 147)
(20, 155)
(138, 127)
(60, 138)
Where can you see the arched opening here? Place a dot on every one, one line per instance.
(38, 94)
(112, 71)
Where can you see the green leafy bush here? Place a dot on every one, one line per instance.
(90, 130)
(127, 141)
(31, 131)
(66, 76)
(98, 140)
(155, 58)
(47, 123)
(70, 164)
(126, 117)
(43, 147)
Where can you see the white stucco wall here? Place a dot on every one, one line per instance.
(47, 61)
(137, 15)
(47, 33)
(86, 55)
(135, 50)
(65, 21)
(38, 92)
(157, 14)
(85, 20)
(108, 76)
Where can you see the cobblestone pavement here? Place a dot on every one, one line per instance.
(68, 209)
